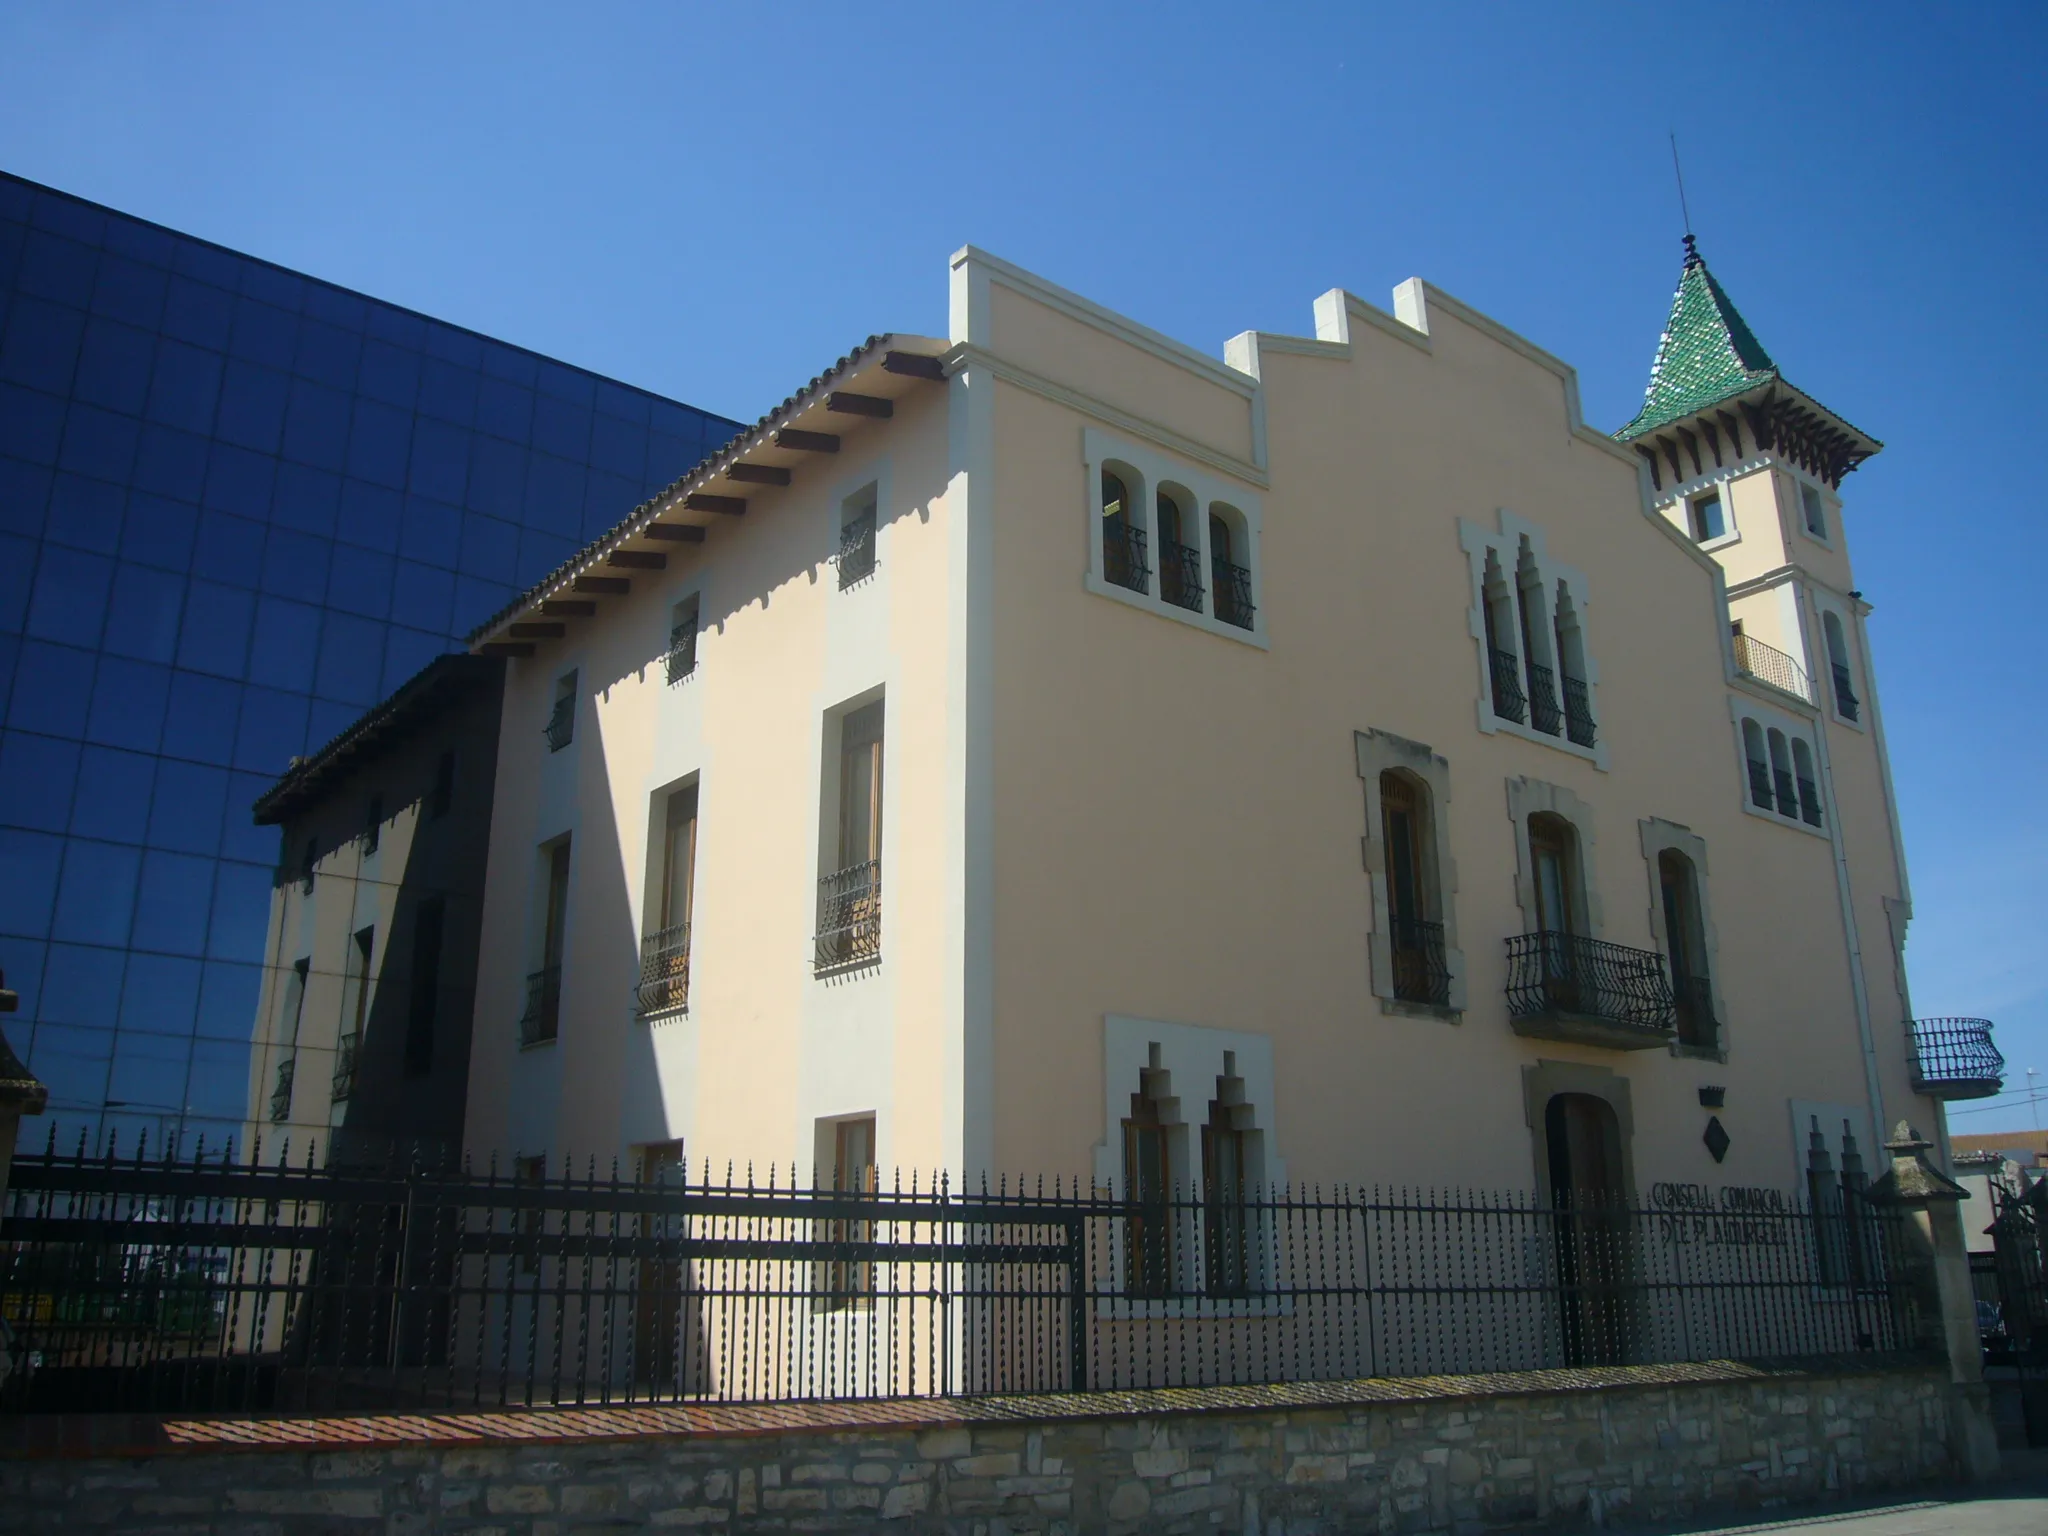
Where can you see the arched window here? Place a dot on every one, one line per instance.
(1503, 661)
(1759, 764)
(1229, 568)
(1149, 1177)
(1781, 773)
(1544, 713)
(1808, 785)
(1554, 872)
(1180, 559)
(1124, 559)
(1415, 931)
(1685, 946)
(1571, 666)
(1838, 662)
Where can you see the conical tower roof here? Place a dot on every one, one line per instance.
(1713, 387)
(1707, 354)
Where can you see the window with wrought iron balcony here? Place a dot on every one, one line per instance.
(561, 727)
(1180, 564)
(541, 1022)
(1563, 985)
(681, 658)
(1232, 582)
(1846, 703)
(1415, 930)
(1124, 559)
(1954, 1058)
(664, 985)
(856, 558)
(849, 932)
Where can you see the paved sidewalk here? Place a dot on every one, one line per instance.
(2008, 1510)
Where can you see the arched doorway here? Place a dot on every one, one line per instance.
(1588, 1190)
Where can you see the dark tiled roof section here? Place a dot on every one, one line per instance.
(703, 470)
(427, 691)
(1707, 353)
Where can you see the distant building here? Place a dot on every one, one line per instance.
(238, 506)
(361, 1038)
(1046, 749)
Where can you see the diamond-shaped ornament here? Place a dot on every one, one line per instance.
(1716, 1137)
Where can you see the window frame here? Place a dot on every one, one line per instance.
(1378, 754)
(1851, 662)
(1660, 837)
(1509, 569)
(1745, 712)
(1147, 473)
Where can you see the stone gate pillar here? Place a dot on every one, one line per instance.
(1931, 1266)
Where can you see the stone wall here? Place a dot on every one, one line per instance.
(1543, 1449)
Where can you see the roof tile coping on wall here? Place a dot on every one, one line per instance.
(759, 436)
(38, 1436)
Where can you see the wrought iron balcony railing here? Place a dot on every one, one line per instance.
(1233, 592)
(1562, 986)
(1123, 555)
(682, 652)
(857, 550)
(542, 1020)
(1768, 664)
(1578, 712)
(850, 917)
(1809, 802)
(1845, 696)
(1760, 784)
(1421, 973)
(561, 727)
(1544, 714)
(1180, 574)
(1954, 1058)
(1509, 702)
(345, 1066)
(665, 970)
(1693, 1011)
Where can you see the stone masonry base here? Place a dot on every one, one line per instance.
(1537, 1450)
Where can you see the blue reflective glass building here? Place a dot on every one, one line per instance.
(237, 506)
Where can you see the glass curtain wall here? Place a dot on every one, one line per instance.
(237, 507)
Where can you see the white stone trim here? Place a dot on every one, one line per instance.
(1505, 546)
(1379, 751)
(1154, 469)
(1796, 728)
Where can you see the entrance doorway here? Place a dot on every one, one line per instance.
(1589, 1195)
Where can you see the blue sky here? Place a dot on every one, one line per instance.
(714, 203)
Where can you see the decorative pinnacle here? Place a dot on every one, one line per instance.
(1692, 251)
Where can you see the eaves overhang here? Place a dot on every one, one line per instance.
(1768, 416)
(862, 386)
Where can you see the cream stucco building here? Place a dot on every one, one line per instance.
(1048, 749)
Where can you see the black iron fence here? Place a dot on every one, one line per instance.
(849, 917)
(1233, 592)
(1422, 973)
(1544, 713)
(857, 549)
(1180, 574)
(542, 1018)
(1124, 559)
(1509, 702)
(664, 985)
(203, 1284)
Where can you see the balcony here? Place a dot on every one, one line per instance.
(1233, 593)
(1123, 555)
(1421, 974)
(1180, 575)
(850, 918)
(1845, 696)
(1563, 987)
(857, 550)
(1578, 713)
(1768, 664)
(542, 1020)
(561, 727)
(1509, 702)
(665, 971)
(1544, 713)
(1954, 1059)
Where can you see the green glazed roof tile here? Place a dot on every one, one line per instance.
(1707, 353)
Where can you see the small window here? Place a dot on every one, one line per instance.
(1759, 765)
(857, 537)
(373, 825)
(1180, 559)
(1781, 773)
(665, 949)
(561, 727)
(1815, 512)
(850, 893)
(1504, 663)
(355, 1010)
(1846, 703)
(1807, 784)
(1685, 946)
(1124, 560)
(1708, 522)
(442, 795)
(543, 1017)
(1229, 551)
(682, 639)
(1415, 931)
